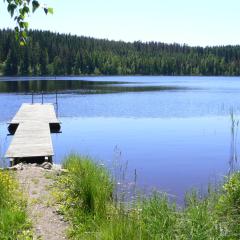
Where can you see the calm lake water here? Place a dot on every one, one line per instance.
(175, 131)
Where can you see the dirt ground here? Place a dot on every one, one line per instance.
(36, 181)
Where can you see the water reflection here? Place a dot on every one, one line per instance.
(4, 142)
(176, 139)
(77, 86)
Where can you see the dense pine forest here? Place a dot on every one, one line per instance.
(59, 54)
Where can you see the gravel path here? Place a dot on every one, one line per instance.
(37, 182)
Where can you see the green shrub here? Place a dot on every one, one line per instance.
(13, 217)
(229, 207)
(6, 185)
(231, 194)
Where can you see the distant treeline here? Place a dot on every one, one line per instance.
(59, 54)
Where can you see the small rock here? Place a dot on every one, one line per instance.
(46, 165)
(20, 166)
(16, 167)
(56, 167)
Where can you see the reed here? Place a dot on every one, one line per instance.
(86, 191)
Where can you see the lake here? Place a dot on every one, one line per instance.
(176, 132)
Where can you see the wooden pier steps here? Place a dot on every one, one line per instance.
(32, 126)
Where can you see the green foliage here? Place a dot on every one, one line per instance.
(85, 194)
(6, 183)
(120, 226)
(49, 10)
(159, 218)
(35, 5)
(150, 218)
(229, 206)
(72, 55)
(199, 220)
(2, 67)
(19, 9)
(90, 185)
(232, 191)
(14, 223)
(11, 64)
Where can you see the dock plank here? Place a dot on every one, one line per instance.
(32, 137)
(36, 112)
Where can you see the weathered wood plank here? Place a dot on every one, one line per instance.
(33, 137)
(36, 112)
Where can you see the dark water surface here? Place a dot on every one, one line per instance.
(175, 131)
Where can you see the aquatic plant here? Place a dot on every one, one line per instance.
(85, 193)
(233, 148)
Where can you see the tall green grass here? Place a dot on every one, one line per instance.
(87, 194)
(14, 222)
(86, 191)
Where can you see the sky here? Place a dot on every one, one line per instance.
(193, 22)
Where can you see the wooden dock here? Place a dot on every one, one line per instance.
(32, 127)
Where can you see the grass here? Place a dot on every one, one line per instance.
(14, 223)
(86, 191)
(35, 181)
(87, 194)
(89, 184)
(34, 192)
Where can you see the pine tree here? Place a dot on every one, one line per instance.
(11, 64)
(57, 66)
(25, 63)
(77, 64)
(35, 59)
(43, 61)
(50, 53)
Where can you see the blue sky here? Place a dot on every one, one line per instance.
(194, 22)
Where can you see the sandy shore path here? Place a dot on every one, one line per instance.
(43, 210)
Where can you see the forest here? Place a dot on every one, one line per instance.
(48, 54)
